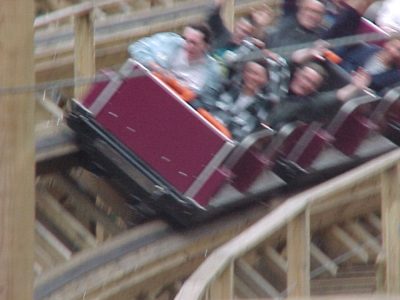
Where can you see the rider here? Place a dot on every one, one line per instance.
(185, 57)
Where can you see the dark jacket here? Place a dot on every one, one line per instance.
(358, 57)
(240, 123)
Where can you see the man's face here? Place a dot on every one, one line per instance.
(254, 76)
(310, 14)
(195, 46)
(305, 81)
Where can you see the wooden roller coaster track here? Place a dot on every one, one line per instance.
(90, 244)
(152, 259)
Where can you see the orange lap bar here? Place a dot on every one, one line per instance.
(210, 118)
(188, 95)
(185, 93)
(332, 57)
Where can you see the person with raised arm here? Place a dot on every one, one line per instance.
(306, 102)
(185, 57)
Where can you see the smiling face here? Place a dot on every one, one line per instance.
(310, 14)
(254, 76)
(195, 45)
(305, 81)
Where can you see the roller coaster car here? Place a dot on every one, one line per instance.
(157, 148)
(387, 115)
(164, 155)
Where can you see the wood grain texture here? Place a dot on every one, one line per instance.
(17, 151)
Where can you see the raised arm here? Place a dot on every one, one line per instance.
(360, 82)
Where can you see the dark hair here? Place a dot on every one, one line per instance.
(317, 67)
(204, 29)
(263, 63)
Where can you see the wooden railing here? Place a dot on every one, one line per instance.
(214, 279)
(59, 55)
(83, 8)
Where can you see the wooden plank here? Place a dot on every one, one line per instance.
(298, 252)
(350, 211)
(127, 278)
(85, 204)
(324, 259)
(51, 256)
(375, 221)
(55, 148)
(113, 199)
(255, 281)
(71, 11)
(258, 233)
(242, 290)
(78, 235)
(222, 288)
(228, 14)
(17, 151)
(60, 250)
(84, 62)
(274, 256)
(357, 193)
(380, 273)
(42, 258)
(350, 243)
(390, 227)
(367, 238)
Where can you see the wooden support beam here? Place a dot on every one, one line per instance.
(255, 281)
(84, 52)
(350, 243)
(59, 249)
(374, 221)
(367, 238)
(275, 257)
(380, 273)
(298, 252)
(37, 269)
(125, 7)
(391, 227)
(222, 288)
(228, 13)
(242, 289)
(85, 205)
(113, 199)
(324, 259)
(17, 161)
(78, 235)
(99, 14)
(42, 258)
(71, 11)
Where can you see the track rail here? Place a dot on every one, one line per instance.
(152, 257)
(132, 254)
(88, 261)
(154, 241)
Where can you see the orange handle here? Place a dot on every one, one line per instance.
(332, 57)
(210, 118)
(185, 93)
